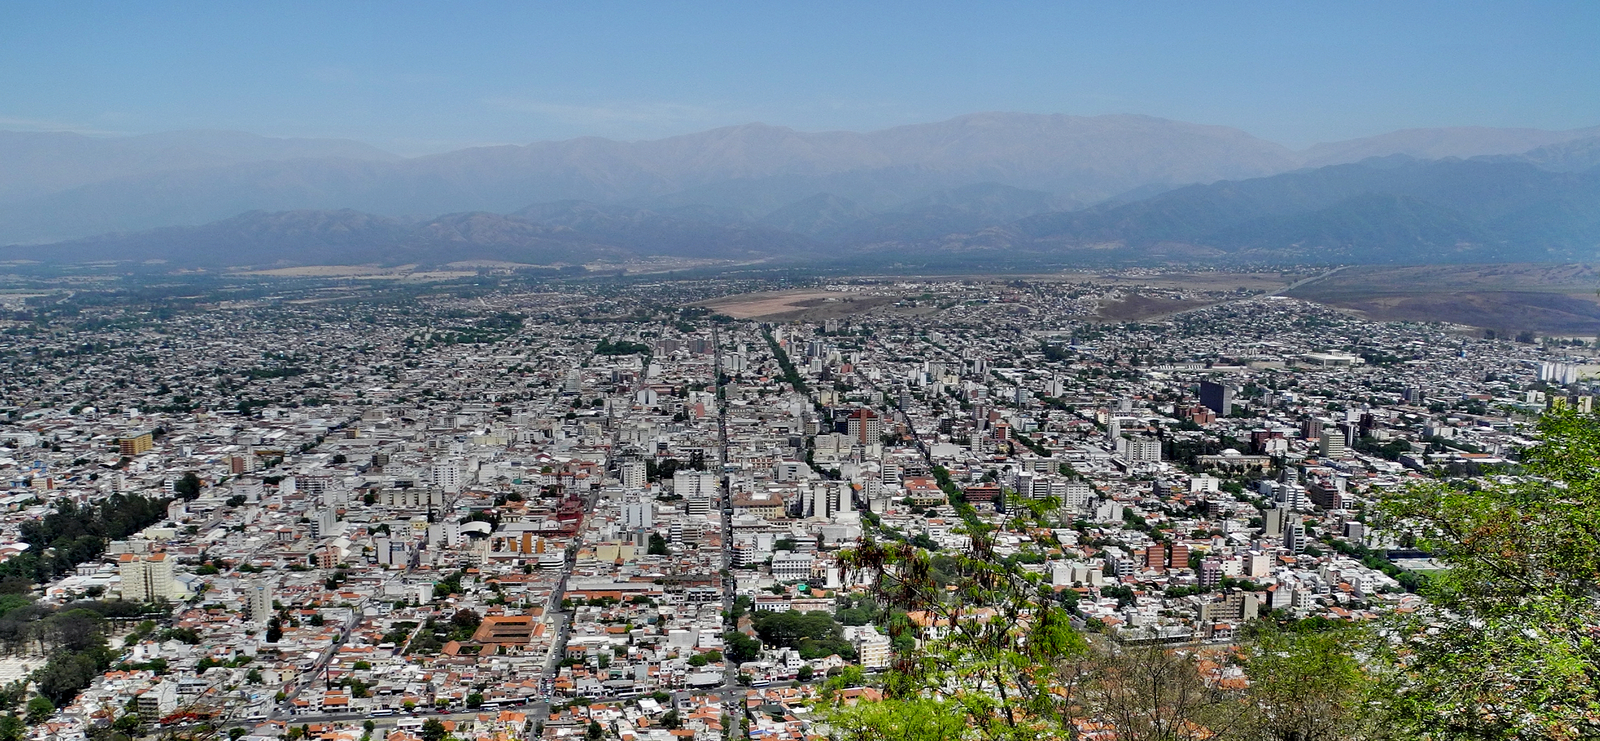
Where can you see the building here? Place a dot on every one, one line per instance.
(258, 602)
(148, 578)
(136, 444)
(449, 476)
(632, 474)
(1235, 607)
(1180, 556)
(1217, 397)
(1332, 445)
(864, 426)
(791, 566)
(1155, 558)
(1142, 449)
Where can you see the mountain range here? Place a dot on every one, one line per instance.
(986, 186)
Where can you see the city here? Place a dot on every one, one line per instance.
(564, 508)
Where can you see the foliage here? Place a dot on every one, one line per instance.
(68, 536)
(790, 375)
(1505, 646)
(1008, 660)
(814, 634)
(1306, 683)
(621, 347)
(911, 720)
(741, 648)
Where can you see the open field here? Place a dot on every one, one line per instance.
(809, 305)
(1509, 298)
(1202, 280)
(1137, 308)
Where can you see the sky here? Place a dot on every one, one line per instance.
(417, 78)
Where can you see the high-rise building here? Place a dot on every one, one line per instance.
(258, 601)
(1273, 521)
(147, 578)
(864, 426)
(638, 512)
(1155, 557)
(1311, 428)
(1332, 444)
(1294, 536)
(449, 475)
(632, 474)
(135, 444)
(1180, 556)
(1217, 397)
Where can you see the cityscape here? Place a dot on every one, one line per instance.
(595, 508)
(619, 371)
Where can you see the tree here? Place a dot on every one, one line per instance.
(669, 720)
(917, 719)
(433, 730)
(187, 487)
(39, 710)
(12, 728)
(741, 648)
(1156, 693)
(595, 732)
(274, 630)
(1306, 684)
(805, 673)
(1010, 661)
(1504, 646)
(475, 700)
(658, 545)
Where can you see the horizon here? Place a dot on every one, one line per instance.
(420, 80)
(1298, 150)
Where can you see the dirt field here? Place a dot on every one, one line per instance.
(1138, 308)
(1552, 299)
(1198, 281)
(794, 305)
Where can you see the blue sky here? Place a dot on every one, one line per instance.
(426, 77)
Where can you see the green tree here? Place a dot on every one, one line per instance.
(39, 710)
(741, 648)
(475, 700)
(1306, 684)
(918, 719)
(658, 545)
(12, 728)
(595, 732)
(1505, 646)
(1010, 662)
(433, 730)
(187, 487)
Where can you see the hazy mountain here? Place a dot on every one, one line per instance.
(1384, 210)
(649, 233)
(955, 211)
(1576, 155)
(823, 213)
(754, 167)
(572, 232)
(38, 163)
(984, 182)
(1463, 141)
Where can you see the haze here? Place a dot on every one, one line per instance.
(416, 78)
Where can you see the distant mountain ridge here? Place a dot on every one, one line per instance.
(975, 188)
(66, 186)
